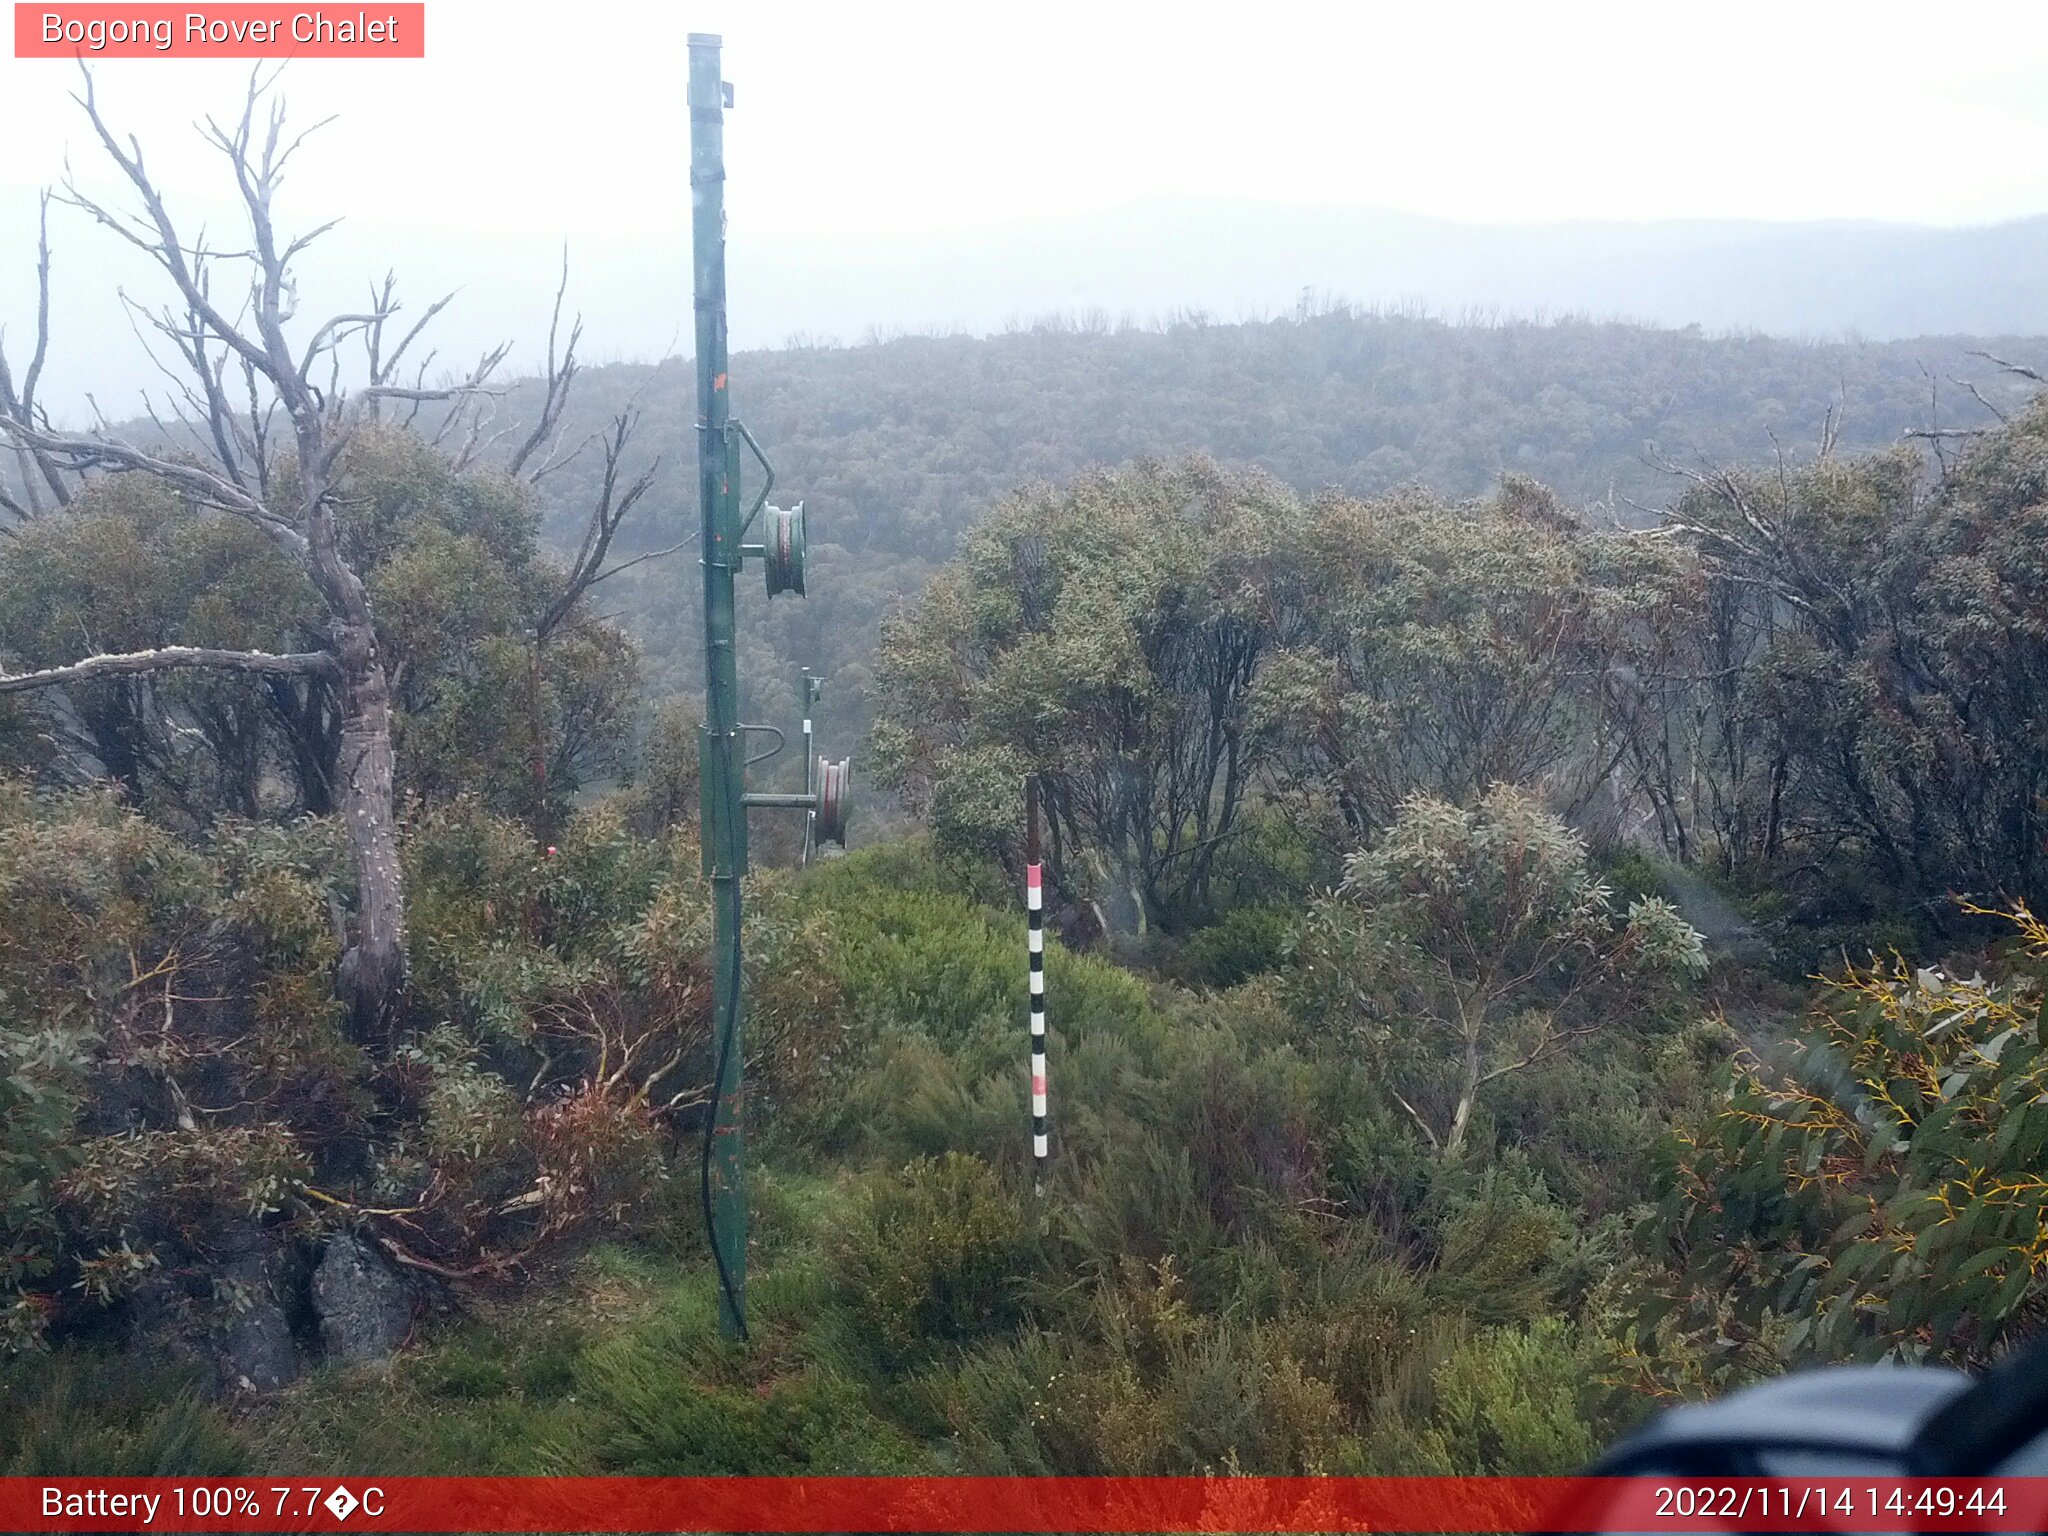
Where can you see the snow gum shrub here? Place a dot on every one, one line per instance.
(1213, 1155)
(473, 889)
(569, 1004)
(912, 1098)
(276, 885)
(568, 1017)
(1467, 944)
(503, 930)
(121, 975)
(1870, 1189)
(976, 809)
(933, 1254)
(1496, 1243)
(924, 955)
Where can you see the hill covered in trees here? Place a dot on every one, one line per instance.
(897, 447)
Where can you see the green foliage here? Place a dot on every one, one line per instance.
(1175, 1393)
(177, 1076)
(1240, 1264)
(901, 446)
(1871, 1188)
(105, 913)
(663, 793)
(1357, 1204)
(458, 582)
(907, 951)
(1501, 1402)
(932, 1256)
(128, 566)
(1863, 664)
(1497, 1240)
(1467, 945)
(1104, 636)
(88, 1414)
(1247, 942)
(1446, 648)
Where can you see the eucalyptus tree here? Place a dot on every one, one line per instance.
(266, 410)
(1877, 654)
(1469, 943)
(1446, 647)
(1104, 635)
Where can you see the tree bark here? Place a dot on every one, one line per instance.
(372, 974)
(1468, 1095)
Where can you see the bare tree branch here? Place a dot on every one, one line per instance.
(21, 406)
(2019, 368)
(196, 481)
(559, 377)
(652, 554)
(606, 517)
(1978, 394)
(171, 658)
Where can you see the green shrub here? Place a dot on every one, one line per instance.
(933, 1255)
(1501, 1402)
(1248, 942)
(813, 1422)
(1498, 1242)
(1870, 1188)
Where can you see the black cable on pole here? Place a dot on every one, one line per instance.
(732, 1008)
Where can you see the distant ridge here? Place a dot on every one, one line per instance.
(1239, 258)
(1226, 259)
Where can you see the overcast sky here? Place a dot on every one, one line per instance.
(537, 122)
(868, 115)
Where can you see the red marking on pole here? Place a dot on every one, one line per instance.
(718, 382)
(1038, 1082)
(1031, 876)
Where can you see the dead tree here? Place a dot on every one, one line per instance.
(258, 428)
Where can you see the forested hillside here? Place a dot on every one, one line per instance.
(898, 447)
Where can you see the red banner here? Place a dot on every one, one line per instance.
(965, 1504)
(239, 31)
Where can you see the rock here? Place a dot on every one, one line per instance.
(255, 1341)
(365, 1310)
(160, 1327)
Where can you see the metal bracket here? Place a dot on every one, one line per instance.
(777, 800)
(767, 469)
(762, 757)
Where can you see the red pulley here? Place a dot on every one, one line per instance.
(834, 779)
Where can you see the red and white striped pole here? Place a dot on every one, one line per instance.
(1034, 902)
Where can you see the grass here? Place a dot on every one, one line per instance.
(618, 1368)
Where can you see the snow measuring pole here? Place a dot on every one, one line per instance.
(721, 743)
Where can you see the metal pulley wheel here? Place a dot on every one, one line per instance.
(834, 780)
(783, 549)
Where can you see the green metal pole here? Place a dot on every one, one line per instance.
(724, 819)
